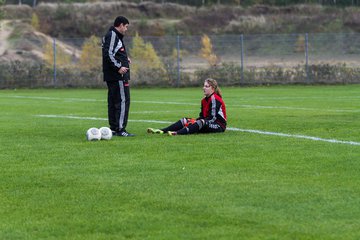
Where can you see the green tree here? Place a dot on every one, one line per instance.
(91, 53)
(207, 51)
(300, 44)
(35, 21)
(144, 56)
(62, 58)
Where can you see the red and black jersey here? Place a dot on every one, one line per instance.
(213, 109)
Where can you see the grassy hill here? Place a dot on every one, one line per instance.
(153, 19)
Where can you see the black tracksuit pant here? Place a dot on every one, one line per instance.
(118, 104)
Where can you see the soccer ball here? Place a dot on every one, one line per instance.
(93, 134)
(106, 133)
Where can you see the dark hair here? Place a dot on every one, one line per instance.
(120, 20)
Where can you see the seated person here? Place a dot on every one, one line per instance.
(212, 117)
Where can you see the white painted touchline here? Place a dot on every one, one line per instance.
(71, 117)
(64, 99)
(95, 118)
(228, 128)
(240, 98)
(96, 100)
(159, 111)
(294, 136)
(294, 108)
(175, 103)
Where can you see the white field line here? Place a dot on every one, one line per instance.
(247, 106)
(173, 103)
(294, 136)
(151, 112)
(60, 99)
(240, 98)
(300, 98)
(295, 108)
(229, 129)
(96, 100)
(95, 118)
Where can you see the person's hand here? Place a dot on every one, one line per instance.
(129, 60)
(123, 70)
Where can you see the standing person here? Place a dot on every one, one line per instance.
(212, 117)
(116, 69)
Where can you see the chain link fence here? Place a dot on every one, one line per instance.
(235, 60)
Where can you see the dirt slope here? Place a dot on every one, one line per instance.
(30, 43)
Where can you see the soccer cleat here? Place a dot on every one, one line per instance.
(124, 134)
(171, 133)
(154, 130)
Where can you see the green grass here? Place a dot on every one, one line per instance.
(236, 185)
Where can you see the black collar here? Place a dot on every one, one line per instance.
(112, 28)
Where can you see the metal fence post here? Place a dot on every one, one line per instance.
(178, 59)
(307, 57)
(242, 58)
(54, 51)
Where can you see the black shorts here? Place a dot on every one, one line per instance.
(211, 127)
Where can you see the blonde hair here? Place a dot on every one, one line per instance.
(214, 84)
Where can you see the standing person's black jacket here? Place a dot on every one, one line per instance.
(114, 56)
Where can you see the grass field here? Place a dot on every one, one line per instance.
(287, 168)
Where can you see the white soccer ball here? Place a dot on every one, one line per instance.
(106, 133)
(93, 134)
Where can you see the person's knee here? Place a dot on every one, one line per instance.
(200, 122)
(183, 121)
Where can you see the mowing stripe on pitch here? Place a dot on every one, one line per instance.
(229, 129)
(246, 106)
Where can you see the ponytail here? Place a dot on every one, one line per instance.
(213, 83)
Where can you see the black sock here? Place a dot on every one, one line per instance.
(193, 128)
(173, 127)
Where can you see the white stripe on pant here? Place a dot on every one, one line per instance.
(122, 108)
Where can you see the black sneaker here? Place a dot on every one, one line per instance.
(124, 134)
